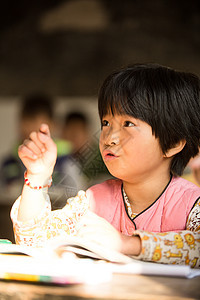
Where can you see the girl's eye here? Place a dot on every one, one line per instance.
(104, 123)
(128, 124)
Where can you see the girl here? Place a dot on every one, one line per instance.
(150, 117)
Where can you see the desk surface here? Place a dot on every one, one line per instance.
(121, 287)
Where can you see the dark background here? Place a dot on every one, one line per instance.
(67, 48)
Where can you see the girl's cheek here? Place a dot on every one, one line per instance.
(101, 140)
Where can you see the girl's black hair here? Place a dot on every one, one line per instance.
(166, 99)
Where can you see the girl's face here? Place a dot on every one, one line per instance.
(129, 149)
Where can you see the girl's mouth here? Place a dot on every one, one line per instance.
(108, 155)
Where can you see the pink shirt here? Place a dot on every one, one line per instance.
(169, 211)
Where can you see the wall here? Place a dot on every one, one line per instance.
(66, 48)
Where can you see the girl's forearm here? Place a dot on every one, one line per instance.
(33, 200)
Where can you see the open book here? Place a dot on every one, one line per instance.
(74, 260)
(120, 263)
(50, 265)
(84, 248)
(58, 248)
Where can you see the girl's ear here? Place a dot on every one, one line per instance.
(176, 149)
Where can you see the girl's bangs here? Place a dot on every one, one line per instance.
(114, 105)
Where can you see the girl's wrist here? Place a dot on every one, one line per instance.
(38, 181)
(131, 245)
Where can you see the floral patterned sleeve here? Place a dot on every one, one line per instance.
(49, 223)
(181, 247)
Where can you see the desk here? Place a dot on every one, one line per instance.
(121, 287)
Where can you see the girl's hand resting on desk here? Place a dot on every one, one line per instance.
(100, 231)
(39, 152)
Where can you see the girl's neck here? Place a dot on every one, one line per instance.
(144, 193)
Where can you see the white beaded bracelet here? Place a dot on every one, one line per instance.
(27, 182)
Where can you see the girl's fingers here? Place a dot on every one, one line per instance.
(89, 220)
(34, 137)
(23, 151)
(45, 138)
(44, 128)
(85, 230)
(39, 144)
(33, 147)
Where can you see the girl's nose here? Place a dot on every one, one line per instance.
(112, 138)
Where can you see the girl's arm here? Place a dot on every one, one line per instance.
(38, 154)
(166, 247)
(49, 224)
(181, 247)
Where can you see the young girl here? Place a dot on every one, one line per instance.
(150, 118)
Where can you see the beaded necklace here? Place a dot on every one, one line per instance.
(128, 205)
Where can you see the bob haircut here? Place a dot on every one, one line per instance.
(166, 99)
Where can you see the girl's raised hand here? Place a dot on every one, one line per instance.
(39, 152)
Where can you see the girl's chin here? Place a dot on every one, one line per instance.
(115, 174)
